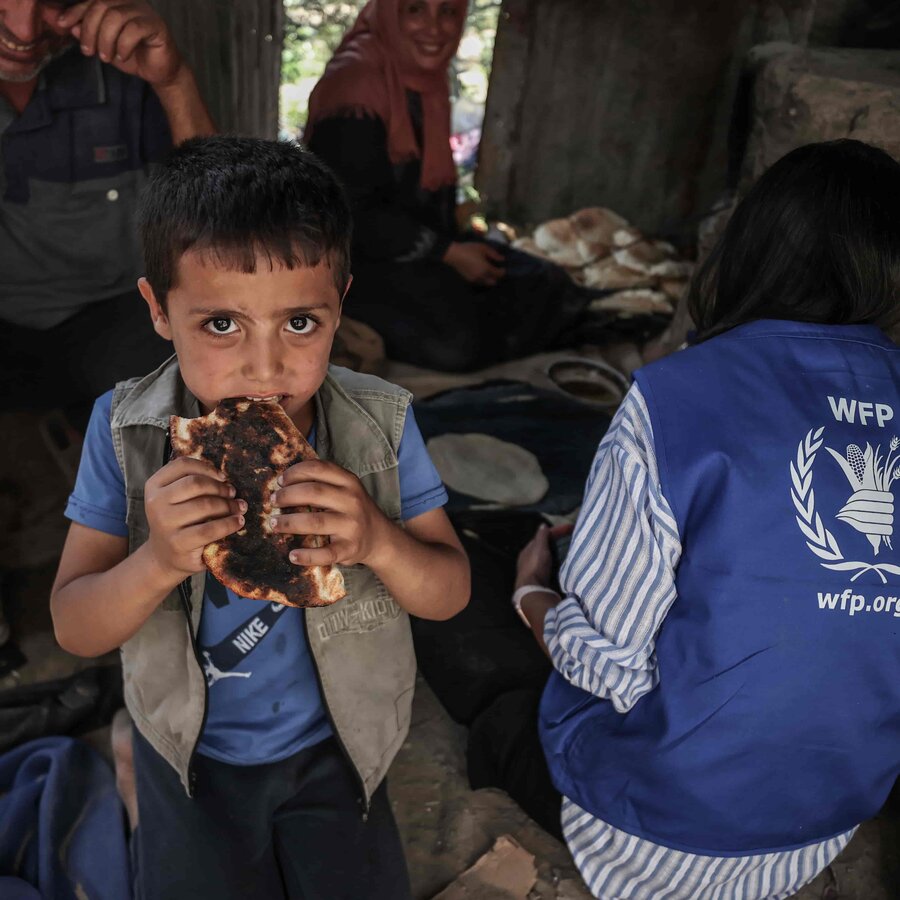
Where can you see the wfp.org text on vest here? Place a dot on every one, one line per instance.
(853, 604)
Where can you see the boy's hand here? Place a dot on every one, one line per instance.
(129, 34)
(189, 505)
(342, 510)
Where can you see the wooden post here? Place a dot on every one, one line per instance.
(234, 47)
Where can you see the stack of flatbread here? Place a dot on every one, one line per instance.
(602, 250)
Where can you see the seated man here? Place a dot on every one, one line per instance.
(91, 94)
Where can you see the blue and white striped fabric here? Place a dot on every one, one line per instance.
(601, 638)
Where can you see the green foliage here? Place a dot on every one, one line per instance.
(483, 15)
(312, 31)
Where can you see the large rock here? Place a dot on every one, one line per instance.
(803, 95)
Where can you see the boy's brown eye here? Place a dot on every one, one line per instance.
(302, 324)
(219, 325)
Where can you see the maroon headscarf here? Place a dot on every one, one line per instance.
(370, 73)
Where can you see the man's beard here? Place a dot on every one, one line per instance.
(37, 68)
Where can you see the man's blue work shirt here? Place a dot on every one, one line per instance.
(71, 167)
(264, 699)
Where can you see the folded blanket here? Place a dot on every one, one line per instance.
(62, 827)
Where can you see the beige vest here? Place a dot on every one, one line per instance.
(361, 646)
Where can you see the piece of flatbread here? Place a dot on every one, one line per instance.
(634, 303)
(607, 274)
(597, 225)
(485, 467)
(253, 442)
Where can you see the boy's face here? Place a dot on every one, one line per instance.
(260, 335)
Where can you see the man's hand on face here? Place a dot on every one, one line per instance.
(128, 34)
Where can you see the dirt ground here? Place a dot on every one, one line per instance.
(445, 826)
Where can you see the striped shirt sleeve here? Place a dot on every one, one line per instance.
(619, 576)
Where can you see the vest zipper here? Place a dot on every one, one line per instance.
(363, 802)
(185, 590)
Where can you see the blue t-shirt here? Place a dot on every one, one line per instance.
(264, 699)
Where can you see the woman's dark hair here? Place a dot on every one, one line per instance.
(816, 239)
(238, 198)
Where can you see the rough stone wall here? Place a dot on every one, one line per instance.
(817, 94)
(799, 96)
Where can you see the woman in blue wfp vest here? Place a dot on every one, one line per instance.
(725, 705)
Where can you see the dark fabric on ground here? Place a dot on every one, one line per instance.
(483, 665)
(562, 433)
(637, 329)
(16, 889)
(504, 751)
(291, 829)
(487, 670)
(69, 366)
(71, 706)
(484, 651)
(11, 657)
(430, 316)
(63, 824)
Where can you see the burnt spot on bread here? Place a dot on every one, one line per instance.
(252, 442)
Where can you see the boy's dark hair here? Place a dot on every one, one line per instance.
(235, 198)
(816, 239)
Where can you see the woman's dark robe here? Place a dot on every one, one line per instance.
(426, 312)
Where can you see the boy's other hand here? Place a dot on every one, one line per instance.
(128, 34)
(341, 510)
(189, 505)
(476, 262)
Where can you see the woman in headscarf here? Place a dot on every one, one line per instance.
(380, 117)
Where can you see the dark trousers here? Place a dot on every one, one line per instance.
(72, 364)
(292, 829)
(505, 752)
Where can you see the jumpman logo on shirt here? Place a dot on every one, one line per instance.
(213, 674)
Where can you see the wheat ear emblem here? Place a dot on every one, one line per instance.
(869, 510)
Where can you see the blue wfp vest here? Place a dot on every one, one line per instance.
(776, 721)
